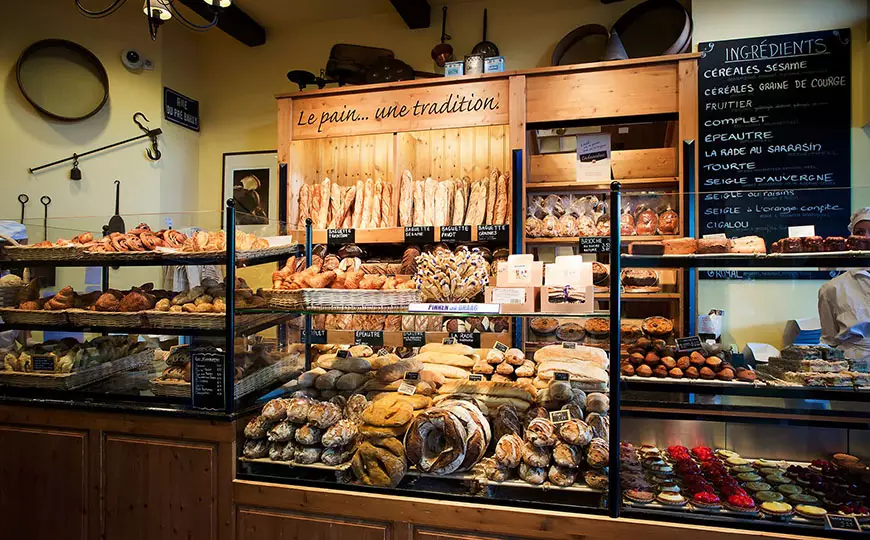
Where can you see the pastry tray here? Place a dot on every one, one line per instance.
(513, 483)
(823, 254)
(76, 379)
(684, 380)
(321, 466)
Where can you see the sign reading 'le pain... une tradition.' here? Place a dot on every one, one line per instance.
(775, 150)
(479, 103)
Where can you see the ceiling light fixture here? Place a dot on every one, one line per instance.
(158, 12)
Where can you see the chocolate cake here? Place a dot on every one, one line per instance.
(835, 243)
(858, 243)
(792, 245)
(813, 244)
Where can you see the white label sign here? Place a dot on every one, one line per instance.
(593, 157)
(801, 231)
(505, 295)
(454, 308)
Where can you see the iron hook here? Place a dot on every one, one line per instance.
(153, 153)
(138, 123)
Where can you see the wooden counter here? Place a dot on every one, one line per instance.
(71, 474)
(266, 511)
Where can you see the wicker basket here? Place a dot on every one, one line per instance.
(282, 371)
(80, 378)
(359, 299)
(193, 321)
(284, 299)
(85, 318)
(123, 256)
(173, 389)
(9, 295)
(36, 316)
(252, 254)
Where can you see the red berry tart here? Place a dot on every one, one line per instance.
(741, 503)
(706, 500)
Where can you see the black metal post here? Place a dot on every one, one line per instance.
(690, 224)
(614, 496)
(283, 339)
(230, 282)
(309, 256)
(518, 229)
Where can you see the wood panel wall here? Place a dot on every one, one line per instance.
(454, 153)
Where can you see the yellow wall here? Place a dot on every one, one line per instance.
(28, 139)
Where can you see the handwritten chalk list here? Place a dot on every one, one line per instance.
(775, 116)
(207, 379)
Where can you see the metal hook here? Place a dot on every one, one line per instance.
(154, 152)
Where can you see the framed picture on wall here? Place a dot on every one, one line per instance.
(251, 179)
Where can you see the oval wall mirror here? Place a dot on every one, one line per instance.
(62, 79)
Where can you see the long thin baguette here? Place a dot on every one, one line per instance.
(491, 194)
(449, 359)
(336, 207)
(358, 203)
(406, 200)
(367, 203)
(579, 353)
(316, 201)
(492, 402)
(419, 210)
(429, 189)
(349, 200)
(459, 204)
(487, 388)
(375, 220)
(304, 205)
(501, 201)
(325, 197)
(450, 372)
(388, 217)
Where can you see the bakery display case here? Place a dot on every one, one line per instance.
(143, 318)
(747, 420)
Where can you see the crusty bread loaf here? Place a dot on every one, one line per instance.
(442, 191)
(459, 202)
(491, 194)
(416, 401)
(487, 388)
(368, 200)
(325, 198)
(336, 207)
(394, 372)
(406, 200)
(316, 201)
(579, 371)
(347, 208)
(492, 402)
(501, 201)
(375, 220)
(448, 359)
(430, 188)
(455, 348)
(593, 355)
(450, 372)
(419, 210)
(304, 205)
(388, 214)
(358, 204)
(348, 365)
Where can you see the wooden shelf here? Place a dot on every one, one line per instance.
(576, 239)
(598, 186)
(396, 339)
(650, 297)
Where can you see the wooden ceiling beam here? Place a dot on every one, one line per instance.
(415, 13)
(233, 21)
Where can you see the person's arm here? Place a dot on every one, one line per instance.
(828, 313)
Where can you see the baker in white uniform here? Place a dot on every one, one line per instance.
(844, 302)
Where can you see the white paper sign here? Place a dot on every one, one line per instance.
(801, 231)
(593, 157)
(505, 295)
(454, 308)
(717, 236)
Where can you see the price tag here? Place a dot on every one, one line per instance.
(339, 237)
(499, 346)
(315, 337)
(594, 244)
(456, 233)
(561, 376)
(492, 233)
(42, 362)
(493, 309)
(407, 389)
(560, 416)
(801, 231)
(508, 295)
(343, 353)
(372, 338)
(413, 339)
(383, 352)
(476, 377)
(420, 235)
(717, 236)
(448, 341)
(207, 368)
(842, 523)
(569, 345)
(412, 376)
(689, 343)
(472, 339)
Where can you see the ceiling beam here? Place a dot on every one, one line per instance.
(232, 20)
(415, 13)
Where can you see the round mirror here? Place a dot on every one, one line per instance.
(62, 79)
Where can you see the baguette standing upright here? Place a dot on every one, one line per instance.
(388, 218)
(501, 201)
(491, 193)
(406, 200)
(349, 198)
(316, 201)
(325, 197)
(375, 221)
(358, 203)
(459, 204)
(367, 203)
(336, 207)
(304, 205)
(419, 210)
(441, 202)
(429, 190)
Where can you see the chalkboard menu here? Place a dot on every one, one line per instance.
(207, 379)
(775, 117)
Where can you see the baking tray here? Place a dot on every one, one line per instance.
(684, 380)
(321, 466)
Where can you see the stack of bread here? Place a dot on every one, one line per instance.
(305, 431)
(586, 368)
(344, 274)
(450, 437)
(510, 365)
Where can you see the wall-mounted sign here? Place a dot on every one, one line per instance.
(180, 109)
(481, 103)
(775, 138)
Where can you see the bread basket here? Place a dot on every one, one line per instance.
(359, 299)
(14, 251)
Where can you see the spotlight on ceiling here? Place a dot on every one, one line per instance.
(218, 3)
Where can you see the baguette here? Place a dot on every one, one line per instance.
(375, 220)
(580, 353)
(476, 208)
(448, 359)
(358, 203)
(325, 197)
(336, 207)
(578, 371)
(347, 208)
(501, 201)
(429, 189)
(367, 203)
(441, 204)
(388, 219)
(419, 210)
(450, 372)
(491, 402)
(451, 193)
(459, 199)
(456, 348)
(304, 205)
(316, 201)
(406, 200)
(487, 388)
(491, 194)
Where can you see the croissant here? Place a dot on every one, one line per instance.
(134, 301)
(353, 278)
(83, 238)
(372, 281)
(64, 299)
(321, 280)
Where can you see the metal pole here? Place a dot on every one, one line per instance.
(690, 305)
(152, 133)
(614, 496)
(230, 282)
(309, 255)
(518, 230)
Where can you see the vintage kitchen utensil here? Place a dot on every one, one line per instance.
(654, 28)
(586, 43)
(116, 222)
(46, 274)
(443, 52)
(23, 199)
(45, 200)
(485, 48)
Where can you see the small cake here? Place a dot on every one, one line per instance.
(740, 503)
(691, 372)
(858, 243)
(765, 463)
(844, 459)
(570, 332)
(777, 479)
(680, 246)
(792, 245)
(630, 332)
(755, 487)
(713, 245)
(598, 327)
(725, 453)
(657, 326)
(640, 277)
(600, 273)
(789, 489)
(803, 498)
(746, 375)
(705, 499)
(739, 469)
(776, 247)
(639, 496)
(778, 509)
(764, 471)
(814, 244)
(646, 248)
(707, 374)
(810, 512)
(835, 243)
(544, 325)
(769, 496)
(748, 477)
(671, 499)
(748, 244)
